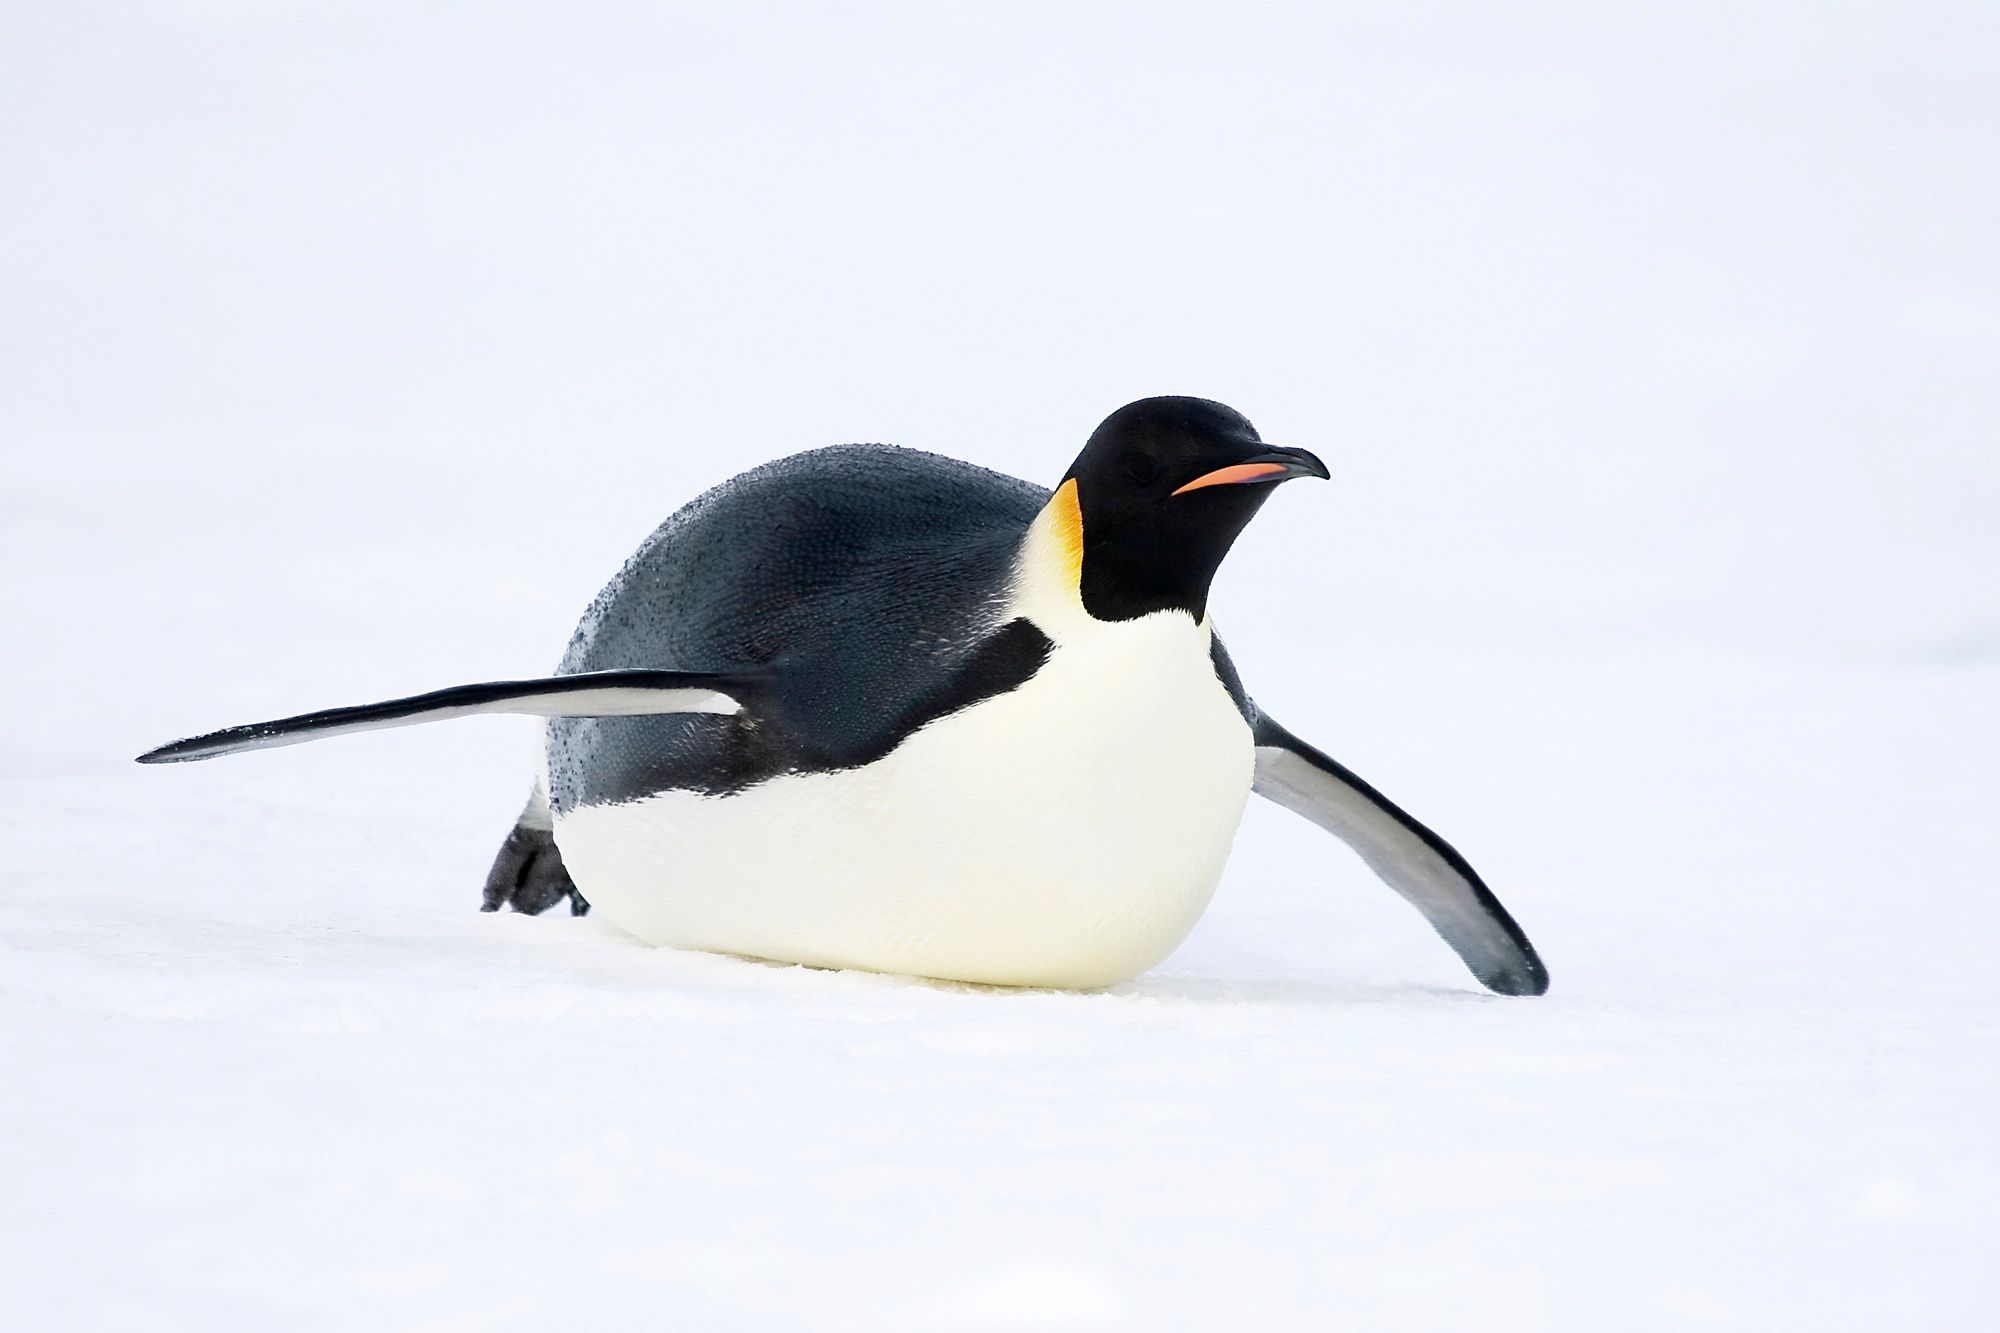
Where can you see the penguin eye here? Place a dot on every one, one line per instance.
(1142, 468)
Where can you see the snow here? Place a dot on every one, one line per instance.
(346, 353)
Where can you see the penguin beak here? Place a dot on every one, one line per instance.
(1274, 464)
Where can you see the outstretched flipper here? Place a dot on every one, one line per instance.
(587, 694)
(1411, 859)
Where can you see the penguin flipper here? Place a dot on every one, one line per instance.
(586, 694)
(1411, 859)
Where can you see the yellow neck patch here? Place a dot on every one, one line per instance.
(1066, 524)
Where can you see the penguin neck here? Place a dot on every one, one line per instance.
(1049, 577)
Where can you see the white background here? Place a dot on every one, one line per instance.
(345, 351)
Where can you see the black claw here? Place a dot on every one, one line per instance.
(528, 875)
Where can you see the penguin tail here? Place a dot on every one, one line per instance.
(587, 694)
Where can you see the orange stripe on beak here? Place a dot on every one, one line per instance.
(1233, 476)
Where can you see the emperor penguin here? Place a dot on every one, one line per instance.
(867, 707)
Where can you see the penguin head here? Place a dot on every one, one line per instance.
(1162, 489)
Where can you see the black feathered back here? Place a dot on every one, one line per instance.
(870, 581)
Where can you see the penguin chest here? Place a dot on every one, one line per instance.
(1067, 833)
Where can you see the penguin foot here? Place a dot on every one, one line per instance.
(528, 875)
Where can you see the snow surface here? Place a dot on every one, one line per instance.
(347, 350)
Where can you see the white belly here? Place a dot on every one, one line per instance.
(1068, 833)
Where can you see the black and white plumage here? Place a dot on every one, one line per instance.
(869, 707)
